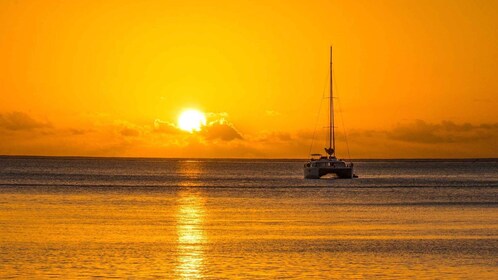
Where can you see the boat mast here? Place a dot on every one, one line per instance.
(331, 128)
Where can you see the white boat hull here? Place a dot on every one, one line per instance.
(318, 172)
(317, 168)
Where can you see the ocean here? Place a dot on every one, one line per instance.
(73, 218)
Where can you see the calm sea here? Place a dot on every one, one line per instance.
(249, 219)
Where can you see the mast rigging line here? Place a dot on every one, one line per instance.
(331, 116)
(331, 113)
(342, 121)
(318, 114)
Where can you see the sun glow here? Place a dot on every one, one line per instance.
(191, 120)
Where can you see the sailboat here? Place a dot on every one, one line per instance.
(320, 165)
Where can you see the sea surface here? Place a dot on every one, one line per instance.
(247, 219)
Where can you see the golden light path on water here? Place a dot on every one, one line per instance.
(255, 220)
(191, 236)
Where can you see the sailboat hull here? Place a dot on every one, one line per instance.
(318, 172)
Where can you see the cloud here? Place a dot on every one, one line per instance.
(165, 127)
(211, 116)
(444, 132)
(130, 132)
(220, 129)
(22, 134)
(18, 121)
(273, 136)
(76, 131)
(422, 139)
(217, 128)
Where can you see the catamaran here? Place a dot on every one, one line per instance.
(320, 165)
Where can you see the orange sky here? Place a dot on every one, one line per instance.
(109, 78)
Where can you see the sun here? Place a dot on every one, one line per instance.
(191, 120)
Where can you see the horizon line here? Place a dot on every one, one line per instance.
(244, 158)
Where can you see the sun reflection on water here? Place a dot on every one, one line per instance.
(189, 228)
